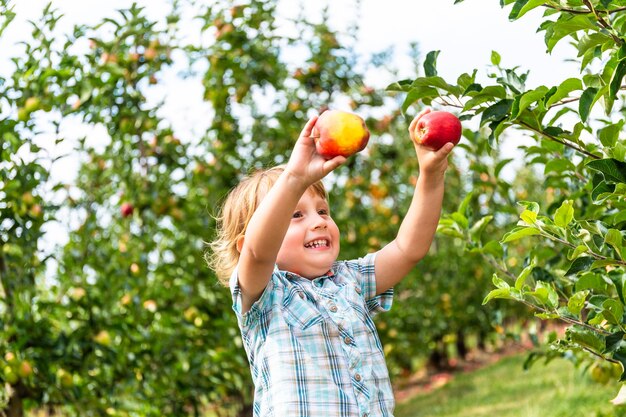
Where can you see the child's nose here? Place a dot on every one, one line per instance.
(319, 223)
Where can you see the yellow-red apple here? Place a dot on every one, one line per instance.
(338, 132)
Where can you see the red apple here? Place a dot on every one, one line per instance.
(436, 128)
(339, 133)
(126, 209)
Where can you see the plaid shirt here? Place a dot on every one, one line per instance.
(313, 347)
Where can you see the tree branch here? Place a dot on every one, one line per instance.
(562, 142)
(578, 11)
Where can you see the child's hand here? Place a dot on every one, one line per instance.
(433, 163)
(305, 163)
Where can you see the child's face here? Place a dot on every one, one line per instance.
(311, 244)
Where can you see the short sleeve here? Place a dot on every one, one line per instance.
(365, 274)
(261, 305)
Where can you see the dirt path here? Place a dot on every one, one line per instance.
(427, 381)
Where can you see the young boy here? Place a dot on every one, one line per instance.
(306, 318)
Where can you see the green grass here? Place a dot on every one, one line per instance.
(504, 389)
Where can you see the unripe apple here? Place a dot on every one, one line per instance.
(126, 209)
(25, 369)
(9, 375)
(31, 104)
(65, 378)
(150, 53)
(436, 128)
(103, 338)
(338, 132)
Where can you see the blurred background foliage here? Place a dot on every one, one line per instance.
(119, 315)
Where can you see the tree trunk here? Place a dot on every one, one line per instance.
(439, 356)
(15, 407)
(246, 411)
(461, 346)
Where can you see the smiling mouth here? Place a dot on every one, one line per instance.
(319, 243)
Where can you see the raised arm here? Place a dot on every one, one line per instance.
(417, 230)
(267, 227)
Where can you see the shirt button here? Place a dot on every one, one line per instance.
(348, 340)
(333, 308)
(358, 378)
(301, 294)
(358, 290)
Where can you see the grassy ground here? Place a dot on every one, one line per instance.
(504, 389)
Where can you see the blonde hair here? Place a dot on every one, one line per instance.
(237, 210)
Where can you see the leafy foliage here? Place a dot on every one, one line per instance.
(122, 317)
(574, 269)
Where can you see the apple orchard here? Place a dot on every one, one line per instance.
(123, 318)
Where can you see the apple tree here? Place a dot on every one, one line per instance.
(572, 267)
(120, 315)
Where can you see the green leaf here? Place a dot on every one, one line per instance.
(614, 341)
(587, 99)
(521, 7)
(614, 238)
(498, 293)
(518, 233)
(591, 41)
(402, 85)
(495, 58)
(419, 93)
(500, 165)
(466, 81)
(601, 190)
(438, 83)
(465, 203)
(530, 217)
(559, 166)
(582, 263)
(499, 282)
(487, 94)
(586, 338)
(526, 99)
(521, 279)
(591, 281)
(619, 282)
(612, 169)
(616, 80)
(430, 64)
(564, 214)
(563, 90)
(529, 205)
(608, 135)
(497, 111)
(620, 355)
(460, 219)
(580, 249)
(613, 311)
(545, 294)
(603, 263)
(478, 228)
(493, 248)
(567, 24)
(576, 302)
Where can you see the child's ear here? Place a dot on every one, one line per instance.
(240, 243)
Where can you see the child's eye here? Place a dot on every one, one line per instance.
(296, 215)
(323, 212)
